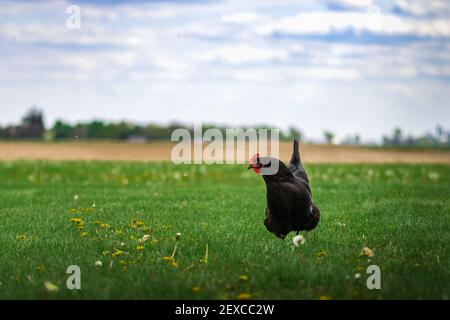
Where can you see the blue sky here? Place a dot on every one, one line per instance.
(352, 66)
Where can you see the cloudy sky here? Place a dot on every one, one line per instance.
(352, 66)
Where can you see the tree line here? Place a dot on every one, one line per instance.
(32, 127)
(439, 138)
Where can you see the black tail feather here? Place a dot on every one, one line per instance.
(296, 166)
(295, 160)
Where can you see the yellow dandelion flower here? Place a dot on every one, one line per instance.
(50, 287)
(40, 268)
(136, 224)
(22, 237)
(244, 296)
(83, 234)
(171, 261)
(75, 220)
(123, 263)
(117, 253)
(196, 289)
(325, 298)
(140, 248)
(321, 254)
(367, 252)
(243, 278)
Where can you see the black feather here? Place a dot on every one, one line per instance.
(289, 198)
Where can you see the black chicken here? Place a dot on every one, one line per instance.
(289, 198)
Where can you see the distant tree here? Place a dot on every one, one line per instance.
(329, 136)
(441, 135)
(409, 140)
(4, 133)
(96, 130)
(32, 125)
(295, 133)
(398, 136)
(81, 131)
(121, 130)
(62, 130)
(386, 141)
(352, 140)
(157, 132)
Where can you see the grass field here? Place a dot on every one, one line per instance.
(401, 212)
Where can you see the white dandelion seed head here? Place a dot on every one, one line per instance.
(357, 275)
(298, 240)
(146, 237)
(98, 263)
(76, 197)
(178, 236)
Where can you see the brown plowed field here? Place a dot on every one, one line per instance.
(162, 150)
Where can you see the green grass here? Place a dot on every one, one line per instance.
(401, 212)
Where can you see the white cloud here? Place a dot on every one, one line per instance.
(93, 34)
(242, 54)
(353, 3)
(424, 7)
(171, 65)
(242, 17)
(104, 13)
(159, 13)
(325, 22)
(328, 73)
(80, 63)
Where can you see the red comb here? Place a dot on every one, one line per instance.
(254, 159)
